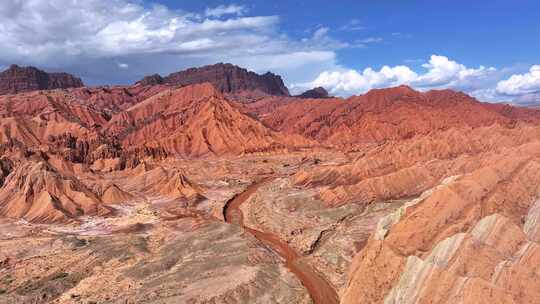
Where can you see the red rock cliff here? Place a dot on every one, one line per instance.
(23, 79)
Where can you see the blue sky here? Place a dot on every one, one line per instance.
(486, 48)
(499, 33)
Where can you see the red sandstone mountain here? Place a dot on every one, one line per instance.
(471, 239)
(197, 120)
(23, 79)
(48, 105)
(226, 78)
(468, 226)
(151, 80)
(405, 168)
(113, 99)
(194, 121)
(382, 114)
(35, 117)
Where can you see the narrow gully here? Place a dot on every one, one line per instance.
(320, 291)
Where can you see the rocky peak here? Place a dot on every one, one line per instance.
(226, 78)
(23, 79)
(318, 92)
(393, 93)
(150, 80)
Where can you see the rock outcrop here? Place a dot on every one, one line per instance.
(315, 93)
(473, 239)
(38, 193)
(172, 184)
(24, 79)
(151, 80)
(112, 194)
(226, 78)
(402, 169)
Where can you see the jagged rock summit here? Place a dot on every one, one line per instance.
(151, 80)
(318, 92)
(18, 79)
(225, 77)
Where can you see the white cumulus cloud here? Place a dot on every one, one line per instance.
(90, 37)
(521, 84)
(441, 72)
(348, 81)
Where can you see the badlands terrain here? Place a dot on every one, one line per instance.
(216, 185)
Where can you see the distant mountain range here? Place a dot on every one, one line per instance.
(225, 77)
